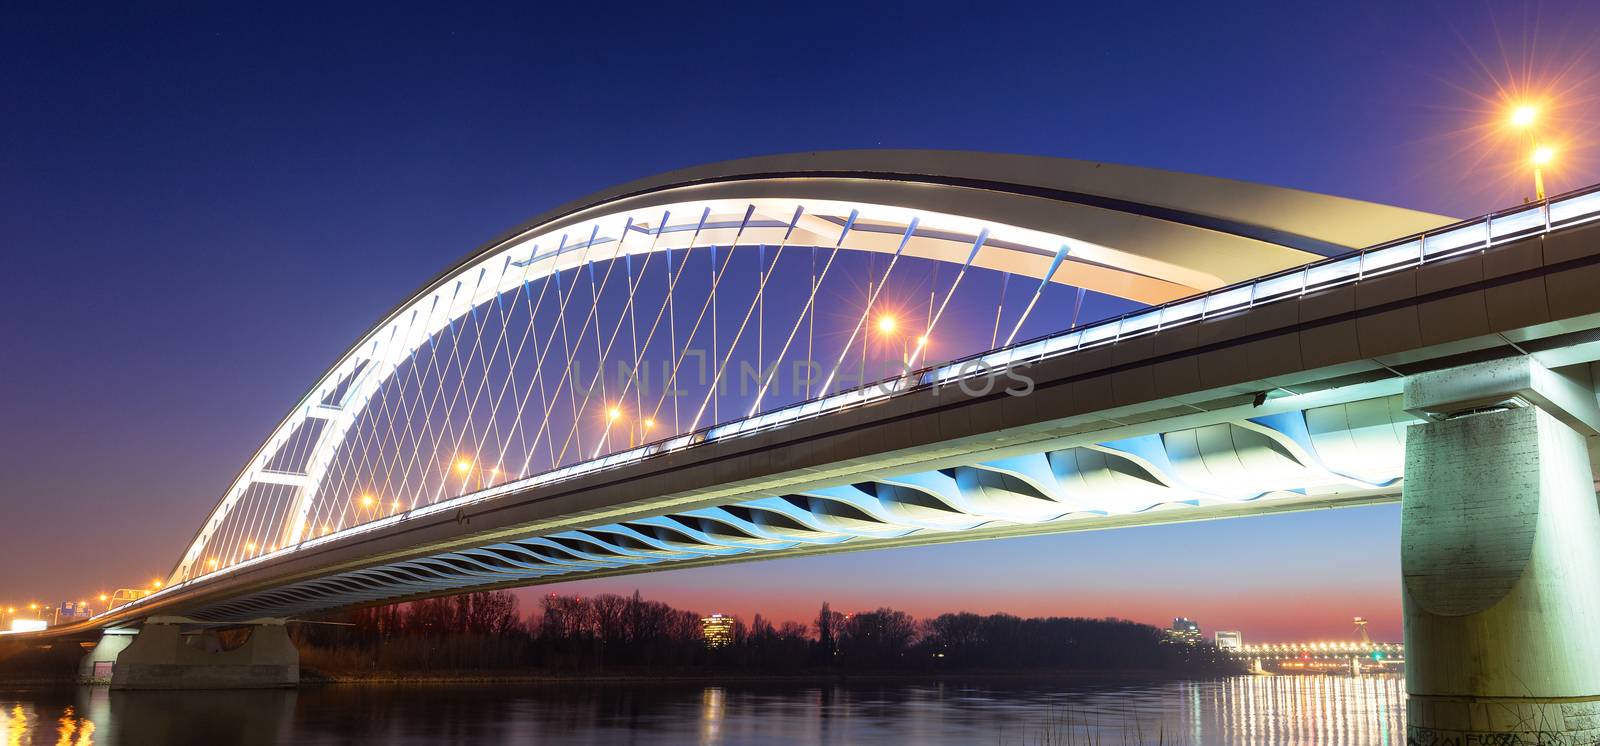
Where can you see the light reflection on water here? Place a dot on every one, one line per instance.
(1275, 710)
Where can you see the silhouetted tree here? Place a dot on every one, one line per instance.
(876, 638)
(827, 622)
(572, 633)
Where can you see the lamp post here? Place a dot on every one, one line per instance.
(614, 413)
(886, 326)
(1542, 155)
(1523, 118)
(638, 430)
(908, 353)
(466, 467)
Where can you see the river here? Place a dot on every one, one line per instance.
(1275, 710)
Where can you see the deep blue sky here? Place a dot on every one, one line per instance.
(201, 206)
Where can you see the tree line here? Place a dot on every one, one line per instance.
(629, 634)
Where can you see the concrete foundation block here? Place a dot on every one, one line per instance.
(1435, 721)
(160, 658)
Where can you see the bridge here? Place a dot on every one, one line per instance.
(838, 352)
(1324, 656)
(1356, 656)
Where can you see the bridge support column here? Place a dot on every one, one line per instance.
(95, 668)
(160, 657)
(1500, 553)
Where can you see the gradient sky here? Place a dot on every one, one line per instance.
(201, 207)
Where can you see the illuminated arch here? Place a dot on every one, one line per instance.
(1139, 234)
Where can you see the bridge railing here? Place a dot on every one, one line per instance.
(1476, 234)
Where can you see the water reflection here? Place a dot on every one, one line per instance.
(1352, 711)
(711, 715)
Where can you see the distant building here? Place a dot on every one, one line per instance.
(1184, 630)
(1230, 640)
(717, 630)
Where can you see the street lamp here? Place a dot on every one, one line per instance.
(464, 466)
(1523, 118)
(886, 326)
(1542, 156)
(636, 429)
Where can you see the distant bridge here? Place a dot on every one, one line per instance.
(1326, 656)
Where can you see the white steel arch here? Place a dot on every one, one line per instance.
(1107, 243)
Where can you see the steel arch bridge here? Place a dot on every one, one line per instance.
(690, 307)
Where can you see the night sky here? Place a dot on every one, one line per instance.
(201, 207)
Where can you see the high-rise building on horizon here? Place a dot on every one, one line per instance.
(717, 630)
(1230, 640)
(1184, 630)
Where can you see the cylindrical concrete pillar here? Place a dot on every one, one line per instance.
(1501, 561)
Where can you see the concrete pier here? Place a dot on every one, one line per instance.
(97, 664)
(161, 657)
(1500, 553)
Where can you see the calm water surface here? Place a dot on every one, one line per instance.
(1278, 710)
